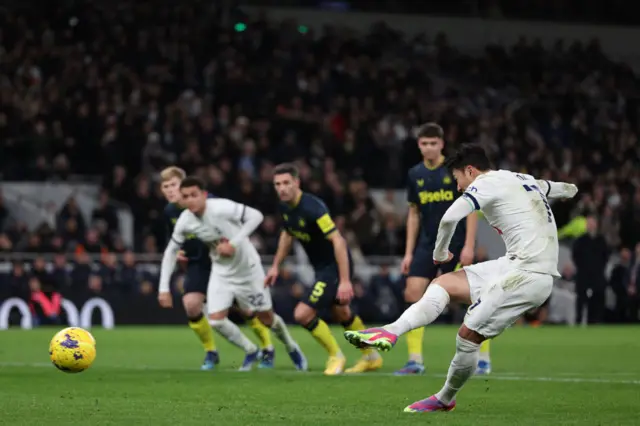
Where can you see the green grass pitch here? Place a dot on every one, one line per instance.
(150, 376)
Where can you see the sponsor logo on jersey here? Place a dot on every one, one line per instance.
(441, 196)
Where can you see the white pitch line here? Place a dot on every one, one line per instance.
(500, 377)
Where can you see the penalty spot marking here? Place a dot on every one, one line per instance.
(500, 377)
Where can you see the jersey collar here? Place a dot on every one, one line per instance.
(438, 163)
(296, 201)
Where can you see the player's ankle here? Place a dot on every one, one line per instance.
(416, 358)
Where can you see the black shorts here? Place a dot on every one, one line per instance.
(196, 278)
(423, 266)
(323, 293)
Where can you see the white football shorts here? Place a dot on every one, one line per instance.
(248, 291)
(501, 294)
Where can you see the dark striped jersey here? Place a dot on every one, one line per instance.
(310, 222)
(433, 191)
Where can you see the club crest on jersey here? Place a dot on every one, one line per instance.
(285, 217)
(446, 180)
(301, 223)
(420, 182)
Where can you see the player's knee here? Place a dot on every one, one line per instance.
(457, 285)
(216, 323)
(217, 316)
(465, 334)
(341, 313)
(265, 318)
(466, 346)
(304, 314)
(192, 305)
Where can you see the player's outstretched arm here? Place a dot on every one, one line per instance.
(460, 209)
(557, 190)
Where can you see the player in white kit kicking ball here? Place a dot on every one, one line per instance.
(500, 291)
(236, 274)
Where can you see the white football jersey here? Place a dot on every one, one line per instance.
(516, 206)
(221, 220)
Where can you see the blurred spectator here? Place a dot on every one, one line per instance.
(19, 282)
(590, 255)
(620, 281)
(106, 212)
(45, 304)
(386, 289)
(46, 282)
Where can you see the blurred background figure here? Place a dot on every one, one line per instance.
(590, 255)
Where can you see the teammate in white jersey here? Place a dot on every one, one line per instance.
(500, 291)
(236, 274)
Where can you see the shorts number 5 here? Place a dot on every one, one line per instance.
(318, 291)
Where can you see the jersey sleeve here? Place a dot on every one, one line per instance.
(412, 194)
(249, 217)
(320, 214)
(229, 209)
(479, 194)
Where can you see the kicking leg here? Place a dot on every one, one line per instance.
(371, 359)
(307, 317)
(501, 303)
(193, 303)
(452, 286)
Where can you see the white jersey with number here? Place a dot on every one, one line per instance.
(516, 206)
(222, 220)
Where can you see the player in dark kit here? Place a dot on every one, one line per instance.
(306, 218)
(196, 254)
(431, 190)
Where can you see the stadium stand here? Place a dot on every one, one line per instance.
(112, 94)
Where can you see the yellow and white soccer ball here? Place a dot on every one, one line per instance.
(72, 350)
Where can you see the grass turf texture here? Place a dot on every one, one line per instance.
(150, 376)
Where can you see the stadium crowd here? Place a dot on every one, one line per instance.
(119, 92)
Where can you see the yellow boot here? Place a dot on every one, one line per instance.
(335, 365)
(369, 362)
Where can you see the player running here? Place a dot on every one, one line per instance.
(431, 191)
(307, 218)
(196, 254)
(500, 290)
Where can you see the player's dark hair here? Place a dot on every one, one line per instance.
(286, 168)
(191, 181)
(430, 130)
(470, 154)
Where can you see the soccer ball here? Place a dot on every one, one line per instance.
(72, 350)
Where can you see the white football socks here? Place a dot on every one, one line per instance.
(233, 334)
(423, 312)
(282, 333)
(463, 366)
